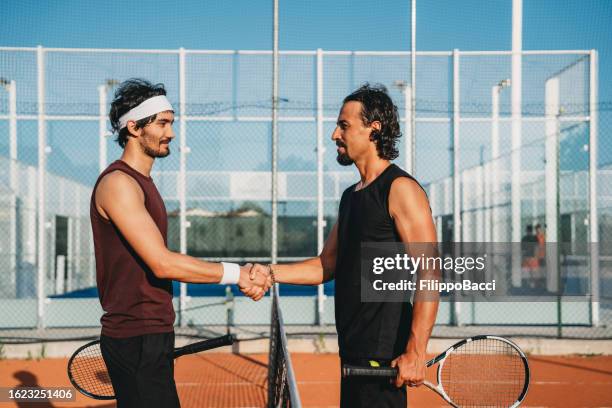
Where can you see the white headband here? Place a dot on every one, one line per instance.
(149, 107)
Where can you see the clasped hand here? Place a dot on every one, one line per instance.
(255, 280)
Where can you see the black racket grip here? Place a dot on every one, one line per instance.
(204, 345)
(352, 370)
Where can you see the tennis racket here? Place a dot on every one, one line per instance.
(87, 370)
(482, 371)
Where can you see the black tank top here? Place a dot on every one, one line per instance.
(134, 300)
(367, 330)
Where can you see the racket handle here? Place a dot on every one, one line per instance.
(351, 370)
(204, 345)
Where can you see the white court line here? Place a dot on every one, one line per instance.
(570, 382)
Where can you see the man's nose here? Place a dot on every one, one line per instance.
(336, 134)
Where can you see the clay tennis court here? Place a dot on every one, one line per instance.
(239, 380)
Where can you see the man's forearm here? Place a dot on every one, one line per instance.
(423, 320)
(308, 272)
(424, 310)
(183, 268)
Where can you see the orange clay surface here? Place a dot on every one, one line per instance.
(234, 380)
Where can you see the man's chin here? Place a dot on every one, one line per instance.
(162, 153)
(344, 160)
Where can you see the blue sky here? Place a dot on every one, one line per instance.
(328, 24)
(335, 24)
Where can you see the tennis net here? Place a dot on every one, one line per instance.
(282, 386)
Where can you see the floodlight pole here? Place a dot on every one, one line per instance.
(274, 249)
(493, 227)
(41, 259)
(320, 187)
(490, 234)
(11, 88)
(102, 127)
(182, 180)
(551, 178)
(517, 49)
(593, 216)
(408, 116)
(406, 91)
(102, 117)
(456, 175)
(412, 168)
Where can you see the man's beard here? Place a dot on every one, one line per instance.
(149, 151)
(343, 158)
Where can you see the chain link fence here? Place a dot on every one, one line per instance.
(54, 141)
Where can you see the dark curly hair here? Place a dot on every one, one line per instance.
(377, 105)
(128, 95)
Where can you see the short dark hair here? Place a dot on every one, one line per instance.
(128, 95)
(377, 105)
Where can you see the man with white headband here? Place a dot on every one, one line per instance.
(134, 268)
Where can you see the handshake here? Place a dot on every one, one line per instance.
(255, 280)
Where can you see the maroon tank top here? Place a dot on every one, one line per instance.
(134, 300)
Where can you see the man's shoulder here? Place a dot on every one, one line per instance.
(397, 171)
(406, 185)
(117, 176)
(407, 196)
(349, 189)
(117, 181)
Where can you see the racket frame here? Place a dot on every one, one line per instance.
(439, 389)
(73, 381)
(197, 347)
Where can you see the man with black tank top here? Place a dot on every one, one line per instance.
(386, 205)
(134, 268)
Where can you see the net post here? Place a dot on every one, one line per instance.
(272, 354)
(282, 385)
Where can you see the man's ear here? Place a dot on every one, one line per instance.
(133, 130)
(376, 126)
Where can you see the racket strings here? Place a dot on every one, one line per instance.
(89, 372)
(483, 373)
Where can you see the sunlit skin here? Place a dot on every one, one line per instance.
(145, 144)
(354, 145)
(157, 136)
